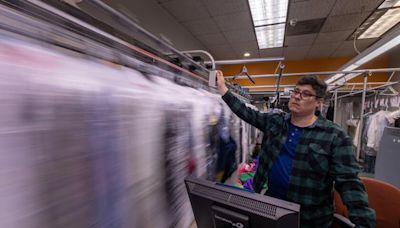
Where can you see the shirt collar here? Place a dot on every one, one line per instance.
(317, 122)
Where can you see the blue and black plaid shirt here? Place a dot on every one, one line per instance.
(324, 159)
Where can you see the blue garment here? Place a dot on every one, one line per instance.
(278, 179)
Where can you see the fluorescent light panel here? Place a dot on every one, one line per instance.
(265, 12)
(348, 68)
(270, 36)
(375, 53)
(383, 24)
(389, 4)
(393, 42)
(269, 18)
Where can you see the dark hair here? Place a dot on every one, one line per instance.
(317, 84)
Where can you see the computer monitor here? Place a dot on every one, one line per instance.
(220, 206)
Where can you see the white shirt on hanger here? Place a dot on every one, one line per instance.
(379, 121)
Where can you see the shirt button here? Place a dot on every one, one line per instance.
(290, 140)
(292, 134)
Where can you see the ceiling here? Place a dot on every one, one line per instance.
(225, 29)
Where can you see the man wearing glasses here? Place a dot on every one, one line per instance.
(304, 156)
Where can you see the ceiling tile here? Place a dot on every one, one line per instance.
(329, 37)
(212, 39)
(202, 27)
(184, 10)
(223, 7)
(347, 47)
(222, 52)
(322, 51)
(344, 22)
(295, 53)
(241, 48)
(253, 53)
(301, 40)
(305, 27)
(271, 52)
(354, 6)
(312, 9)
(234, 21)
(240, 36)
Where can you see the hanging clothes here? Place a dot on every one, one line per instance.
(379, 121)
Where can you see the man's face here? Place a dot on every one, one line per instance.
(303, 100)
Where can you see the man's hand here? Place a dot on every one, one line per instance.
(222, 89)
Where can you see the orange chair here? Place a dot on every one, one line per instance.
(384, 198)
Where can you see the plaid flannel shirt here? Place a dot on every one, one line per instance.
(324, 159)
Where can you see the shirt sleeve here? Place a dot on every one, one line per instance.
(253, 117)
(351, 189)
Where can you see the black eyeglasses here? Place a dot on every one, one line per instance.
(303, 95)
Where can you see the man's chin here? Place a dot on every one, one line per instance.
(293, 109)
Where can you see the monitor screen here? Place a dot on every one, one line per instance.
(221, 206)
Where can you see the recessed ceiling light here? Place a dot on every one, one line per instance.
(246, 54)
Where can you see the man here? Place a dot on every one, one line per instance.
(304, 156)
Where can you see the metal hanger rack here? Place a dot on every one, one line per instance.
(59, 24)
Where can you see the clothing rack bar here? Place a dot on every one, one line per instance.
(367, 90)
(335, 107)
(62, 19)
(277, 92)
(242, 61)
(293, 85)
(380, 70)
(364, 92)
(204, 52)
(132, 25)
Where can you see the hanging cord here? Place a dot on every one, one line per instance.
(356, 33)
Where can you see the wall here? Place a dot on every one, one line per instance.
(290, 67)
(310, 65)
(380, 62)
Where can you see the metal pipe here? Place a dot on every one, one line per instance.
(241, 61)
(292, 85)
(267, 86)
(263, 93)
(281, 67)
(374, 88)
(335, 108)
(204, 52)
(322, 73)
(100, 4)
(84, 24)
(366, 74)
(391, 76)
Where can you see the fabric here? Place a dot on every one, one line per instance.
(330, 113)
(86, 144)
(356, 139)
(379, 121)
(226, 163)
(324, 156)
(282, 167)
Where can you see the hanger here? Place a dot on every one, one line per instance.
(244, 72)
(389, 91)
